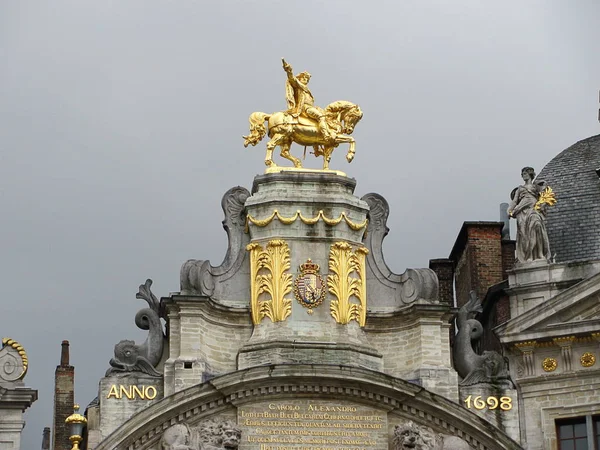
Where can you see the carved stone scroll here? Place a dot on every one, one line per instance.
(13, 361)
(387, 289)
(198, 277)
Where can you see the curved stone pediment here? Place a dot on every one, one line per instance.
(395, 399)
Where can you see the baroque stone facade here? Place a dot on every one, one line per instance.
(302, 338)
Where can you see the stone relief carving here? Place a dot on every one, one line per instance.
(412, 285)
(199, 277)
(209, 435)
(528, 205)
(130, 357)
(489, 367)
(410, 436)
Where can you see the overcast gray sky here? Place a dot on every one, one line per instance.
(121, 125)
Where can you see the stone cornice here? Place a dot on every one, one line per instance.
(523, 327)
(17, 398)
(299, 177)
(212, 310)
(408, 316)
(274, 382)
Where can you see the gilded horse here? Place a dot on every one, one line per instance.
(283, 129)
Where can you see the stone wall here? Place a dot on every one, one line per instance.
(204, 340)
(551, 391)
(415, 345)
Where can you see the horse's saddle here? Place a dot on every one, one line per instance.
(300, 120)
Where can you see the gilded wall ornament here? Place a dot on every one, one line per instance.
(356, 226)
(269, 276)
(309, 287)
(587, 359)
(549, 364)
(347, 280)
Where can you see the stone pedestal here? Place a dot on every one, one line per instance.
(301, 217)
(121, 397)
(496, 404)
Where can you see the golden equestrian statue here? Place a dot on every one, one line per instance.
(305, 123)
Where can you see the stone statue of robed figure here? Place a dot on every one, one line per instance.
(528, 206)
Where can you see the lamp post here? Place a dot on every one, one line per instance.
(77, 422)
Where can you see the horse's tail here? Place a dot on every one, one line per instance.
(257, 128)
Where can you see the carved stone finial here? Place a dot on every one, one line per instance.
(528, 206)
(130, 357)
(13, 361)
(490, 367)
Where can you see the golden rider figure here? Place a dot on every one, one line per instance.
(301, 101)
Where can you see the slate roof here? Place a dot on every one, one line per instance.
(573, 224)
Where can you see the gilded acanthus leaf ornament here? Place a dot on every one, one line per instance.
(270, 278)
(346, 281)
(304, 123)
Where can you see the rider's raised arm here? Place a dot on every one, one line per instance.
(290, 74)
(293, 80)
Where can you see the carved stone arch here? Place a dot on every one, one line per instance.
(222, 395)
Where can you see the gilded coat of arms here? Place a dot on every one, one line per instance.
(309, 287)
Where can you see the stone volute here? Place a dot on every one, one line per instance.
(312, 224)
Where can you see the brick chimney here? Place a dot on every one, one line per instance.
(477, 256)
(46, 439)
(444, 269)
(64, 399)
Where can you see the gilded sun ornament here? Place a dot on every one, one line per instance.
(587, 359)
(549, 364)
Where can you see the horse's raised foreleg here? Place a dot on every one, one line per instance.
(285, 153)
(345, 139)
(351, 151)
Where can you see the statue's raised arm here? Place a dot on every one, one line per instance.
(290, 74)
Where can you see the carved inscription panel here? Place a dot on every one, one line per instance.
(304, 424)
